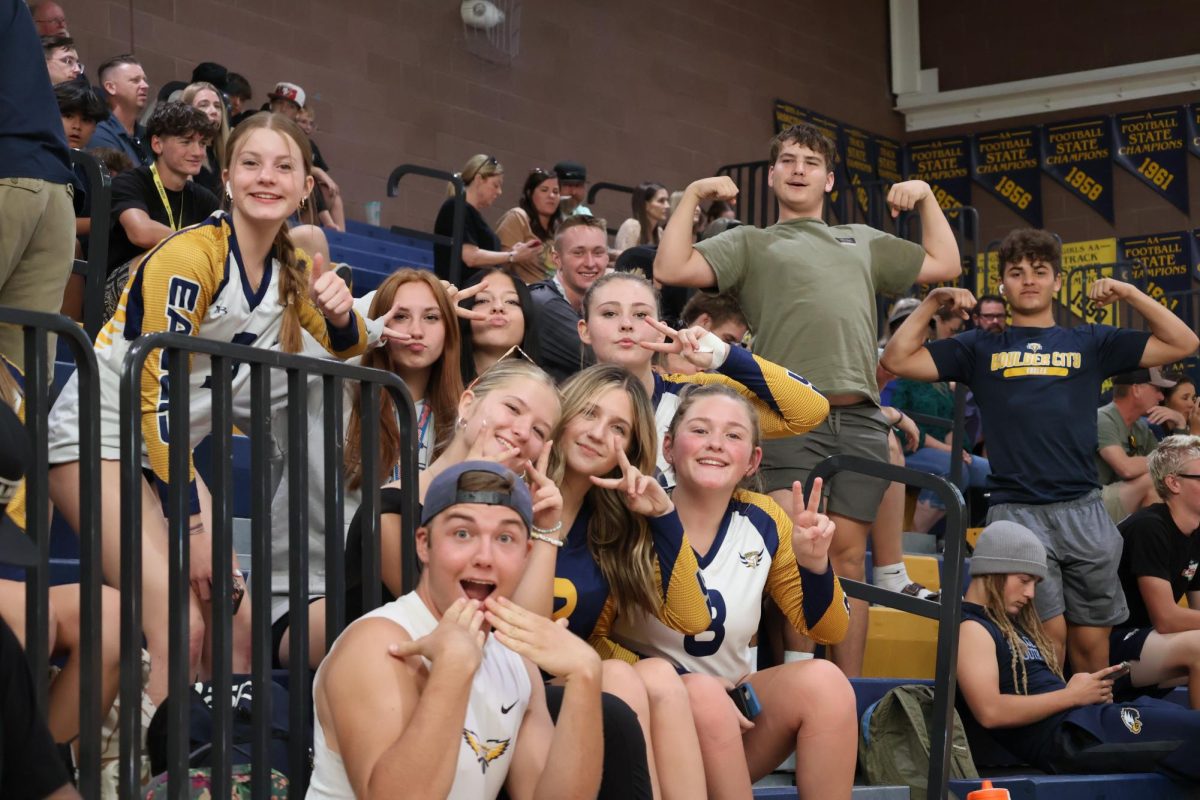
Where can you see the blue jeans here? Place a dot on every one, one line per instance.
(937, 462)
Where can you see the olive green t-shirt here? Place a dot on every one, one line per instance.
(1136, 439)
(808, 293)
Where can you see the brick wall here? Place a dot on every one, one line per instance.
(663, 90)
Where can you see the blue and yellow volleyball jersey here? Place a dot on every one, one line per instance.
(751, 556)
(787, 404)
(194, 283)
(582, 594)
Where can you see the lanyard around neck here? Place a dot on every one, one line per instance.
(162, 194)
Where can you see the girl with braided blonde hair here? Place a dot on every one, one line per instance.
(1011, 683)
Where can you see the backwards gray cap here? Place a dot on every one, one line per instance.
(1007, 547)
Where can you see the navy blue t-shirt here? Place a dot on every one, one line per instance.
(32, 142)
(1027, 741)
(1037, 390)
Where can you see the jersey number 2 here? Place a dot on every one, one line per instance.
(709, 642)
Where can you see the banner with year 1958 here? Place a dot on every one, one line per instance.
(1078, 154)
(1151, 145)
(1162, 267)
(1006, 164)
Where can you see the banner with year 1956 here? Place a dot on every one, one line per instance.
(1078, 154)
(1006, 164)
(1151, 145)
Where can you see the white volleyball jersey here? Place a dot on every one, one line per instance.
(500, 695)
(750, 556)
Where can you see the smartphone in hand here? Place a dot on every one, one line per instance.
(746, 700)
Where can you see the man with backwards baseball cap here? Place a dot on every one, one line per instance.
(440, 688)
(1010, 681)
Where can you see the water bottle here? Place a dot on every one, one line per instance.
(987, 792)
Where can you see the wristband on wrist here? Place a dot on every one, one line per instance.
(717, 346)
(545, 537)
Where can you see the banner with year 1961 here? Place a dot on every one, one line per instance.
(1078, 154)
(1006, 164)
(1162, 267)
(1151, 145)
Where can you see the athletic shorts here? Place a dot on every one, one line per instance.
(1083, 548)
(858, 430)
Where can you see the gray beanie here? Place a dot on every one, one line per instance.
(1006, 547)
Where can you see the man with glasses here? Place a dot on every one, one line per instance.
(1159, 565)
(1124, 440)
(49, 18)
(991, 314)
(62, 60)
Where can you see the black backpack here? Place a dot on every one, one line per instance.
(200, 727)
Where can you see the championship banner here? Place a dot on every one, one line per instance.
(987, 274)
(1162, 267)
(888, 159)
(1193, 120)
(788, 114)
(1083, 263)
(1151, 145)
(1196, 254)
(1006, 164)
(858, 156)
(1078, 154)
(945, 165)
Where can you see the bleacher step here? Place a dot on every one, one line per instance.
(859, 793)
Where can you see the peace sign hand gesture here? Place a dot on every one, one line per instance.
(697, 345)
(642, 494)
(547, 499)
(812, 531)
(483, 448)
(457, 295)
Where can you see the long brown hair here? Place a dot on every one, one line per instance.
(619, 540)
(444, 387)
(1028, 621)
(293, 275)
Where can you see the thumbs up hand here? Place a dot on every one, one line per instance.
(330, 293)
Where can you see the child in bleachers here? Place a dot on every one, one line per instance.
(1011, 682)
(623, 550)
(747, 548)
(620, 322)
(505, 318)
(237, 278)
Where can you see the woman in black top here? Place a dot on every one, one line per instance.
(483, 179)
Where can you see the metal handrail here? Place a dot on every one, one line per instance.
(38, 369)
(176, 351)
(604, 186)
(455, 239)
(100, 197)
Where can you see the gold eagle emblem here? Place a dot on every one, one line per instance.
(487, 752)
(751, 558)
(1132, 719)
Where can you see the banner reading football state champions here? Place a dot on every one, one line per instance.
(944, 165)
(1151, 145)
(1006, 164)
(1078, 154)
(1162, 267)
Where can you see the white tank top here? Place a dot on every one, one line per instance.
(499, 697)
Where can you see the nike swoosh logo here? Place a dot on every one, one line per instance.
(504, 710)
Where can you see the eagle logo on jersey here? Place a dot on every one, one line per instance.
(1190, 572)
(1132, 719)
(1033, 347)
(487, 752)
(751, 559)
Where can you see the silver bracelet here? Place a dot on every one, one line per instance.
(545, 537)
